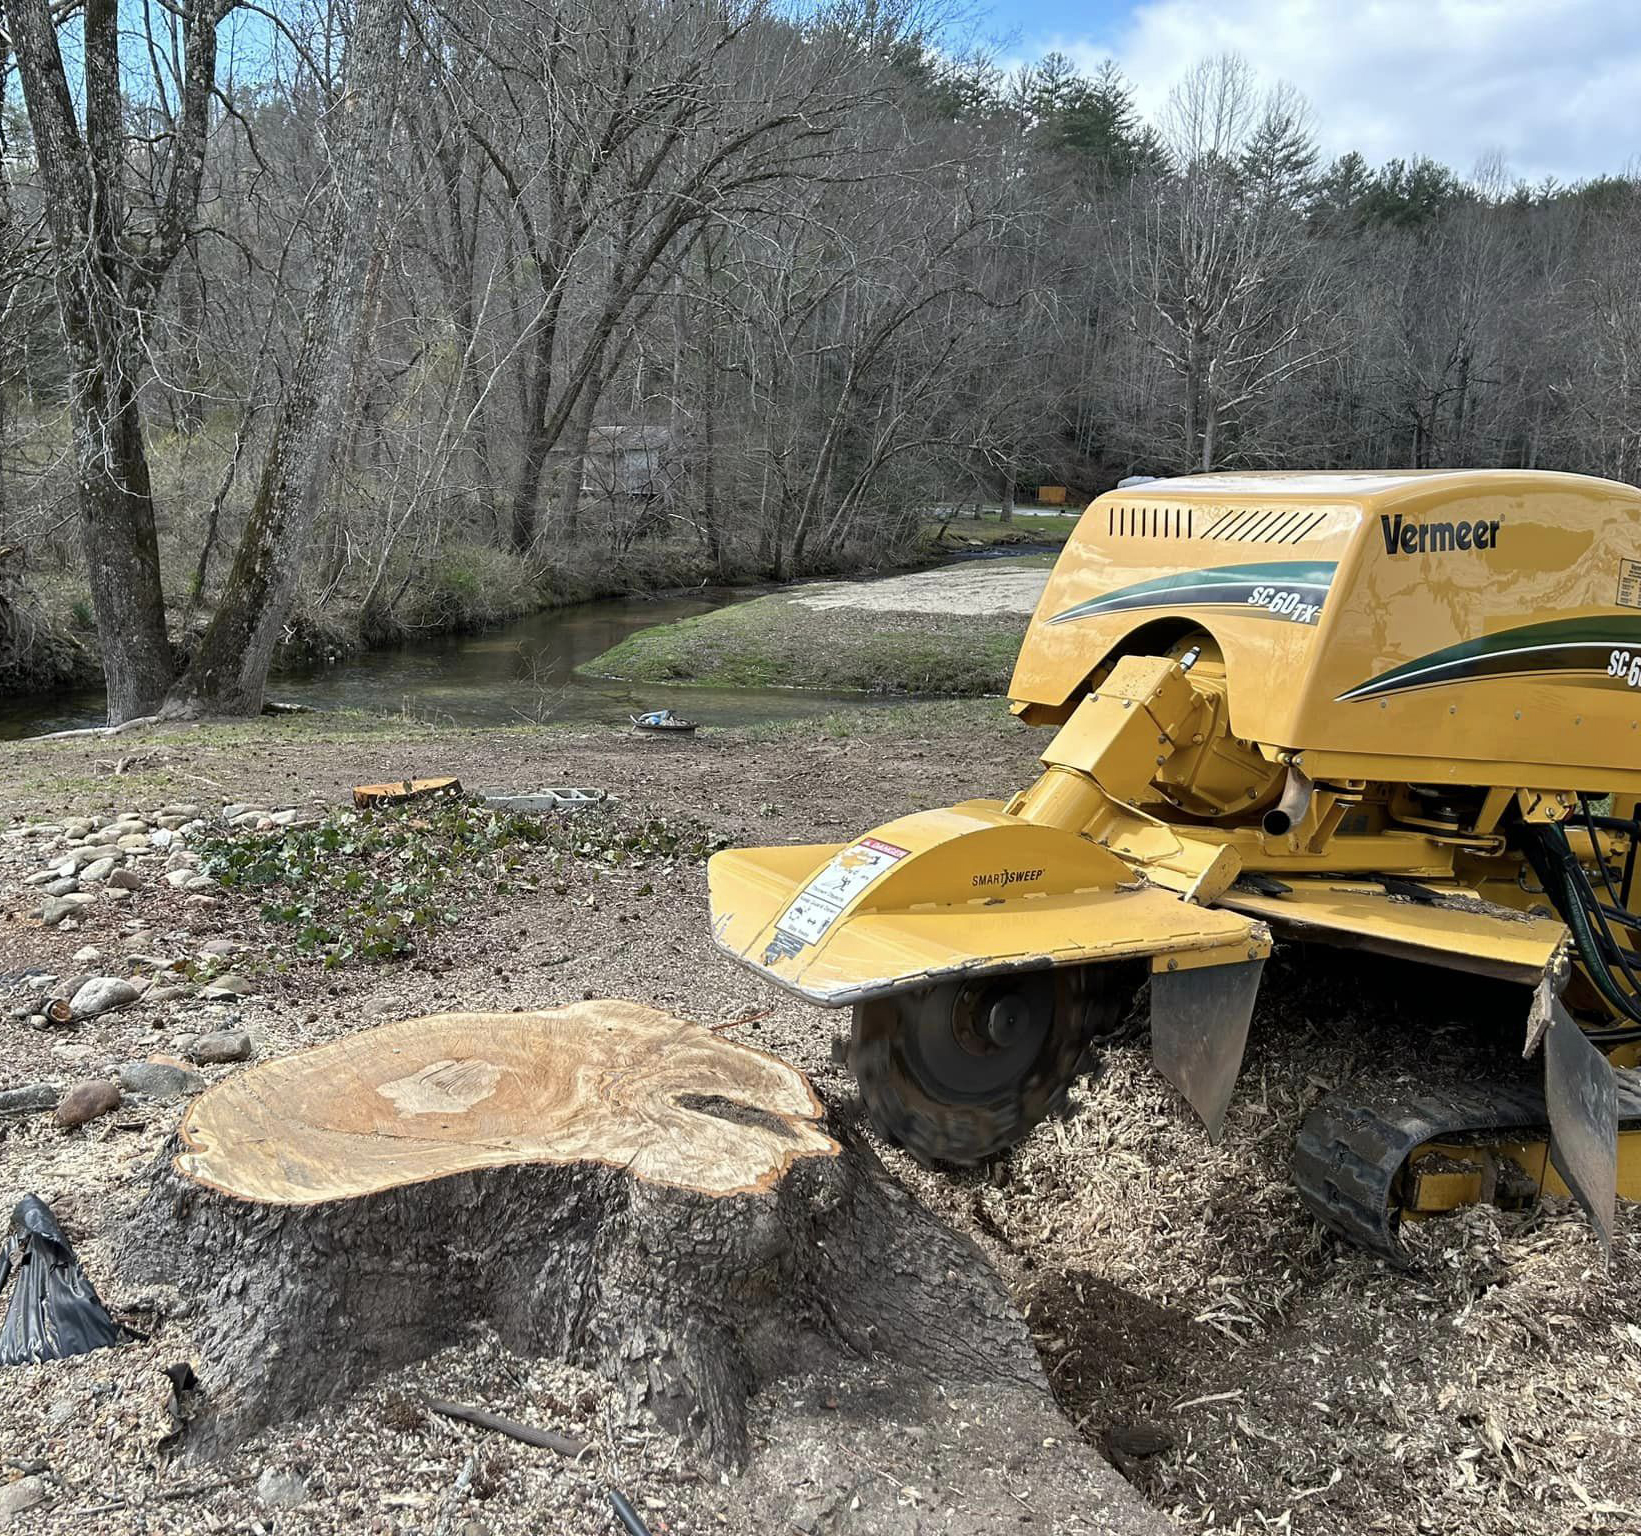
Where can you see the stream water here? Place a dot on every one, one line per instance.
(524, 671)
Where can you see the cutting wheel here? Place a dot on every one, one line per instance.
(958, 1072)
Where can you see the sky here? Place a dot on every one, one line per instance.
(1552, 86)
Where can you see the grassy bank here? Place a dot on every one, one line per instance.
(780, 641)
(943, 536)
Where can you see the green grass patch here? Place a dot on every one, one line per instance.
(780, 642)
(989, 530)
(365, 885)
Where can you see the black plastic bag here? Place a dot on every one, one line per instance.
(55, 1311)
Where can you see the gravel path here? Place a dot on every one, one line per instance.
(978, 587)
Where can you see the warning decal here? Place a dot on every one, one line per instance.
(1629, 583)
(820, 903)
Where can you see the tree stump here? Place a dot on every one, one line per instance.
(601, 1183)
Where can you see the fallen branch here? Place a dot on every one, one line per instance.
(528, 1433)
(142, 722)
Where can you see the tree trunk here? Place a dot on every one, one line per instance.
(601, 1184)
(1006, 511)
(80, 180)
(575, 456)
(121, 543)
(230, 668)
(191, 325)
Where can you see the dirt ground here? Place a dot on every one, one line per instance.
(1244, 1371)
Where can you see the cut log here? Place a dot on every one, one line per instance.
(601, 1184)
(367, 795)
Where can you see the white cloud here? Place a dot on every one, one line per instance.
(1554, 86)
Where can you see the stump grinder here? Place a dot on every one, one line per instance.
(1395, 711)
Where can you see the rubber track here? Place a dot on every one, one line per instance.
(1349, 1151)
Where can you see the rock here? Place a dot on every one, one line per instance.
(134, 842)
(103, 837)
(226, 987)
(38, 1021)
(116, 893)
(41, 983)
(96, 855)
(250, 819)
(42, 877)
(182, 809)
(29, 1099)
(126, 879)
(164, 994)
(25, 1494)
(281, 1490)
(220, 1047)
(284, 818)
(87, 954)
(179, 877)
(73, 1051)
(65, 885)
(77, 827)
(160, 1080)
(102, 993)
(200, 899)
(85, 1101)
(199, 883)
(163, 837)
(66, 989)
(64, 906)
(229, 812)
(141, 960)
(95, 874)
(221, 947)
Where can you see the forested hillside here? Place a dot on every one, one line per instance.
(329, 322)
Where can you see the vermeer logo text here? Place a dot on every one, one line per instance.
(1403, 538)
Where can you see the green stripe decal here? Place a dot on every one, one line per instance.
(1562, 645)
(1297, 587)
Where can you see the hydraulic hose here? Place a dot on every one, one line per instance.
(1575, 900)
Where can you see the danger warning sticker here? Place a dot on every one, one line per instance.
(1629, 583)
(820, 903)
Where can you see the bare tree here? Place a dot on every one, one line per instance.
(111, 255)
(1223, 288)
(230, 668)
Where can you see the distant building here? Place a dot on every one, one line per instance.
(632, 462)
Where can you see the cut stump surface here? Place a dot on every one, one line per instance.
(609, 1082)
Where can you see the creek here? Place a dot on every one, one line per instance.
(521, 672)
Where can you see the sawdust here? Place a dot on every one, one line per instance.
(1243, 1369)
